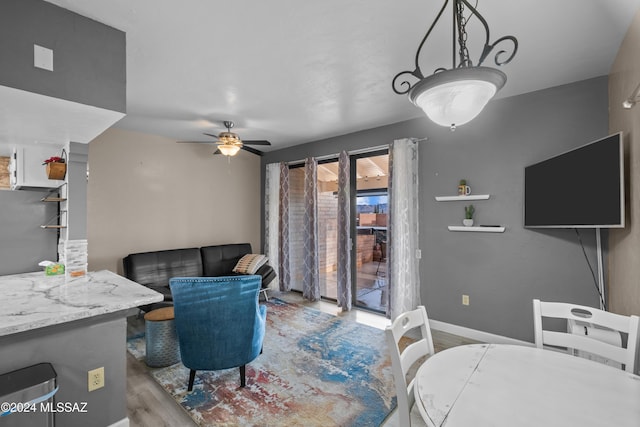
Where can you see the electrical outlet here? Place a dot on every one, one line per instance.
(96, 378)
(465, 299)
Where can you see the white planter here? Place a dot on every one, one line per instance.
(467, 222)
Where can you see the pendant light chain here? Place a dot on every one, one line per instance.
(462, 36)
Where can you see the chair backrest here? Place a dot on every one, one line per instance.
(596, 345)
(402, 361)
(218, 320)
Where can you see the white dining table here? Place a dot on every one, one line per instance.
(517, 386)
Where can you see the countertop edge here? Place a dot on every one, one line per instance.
(48, 301)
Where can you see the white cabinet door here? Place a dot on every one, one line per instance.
(26, 168)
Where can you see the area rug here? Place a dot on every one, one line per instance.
(316, 370)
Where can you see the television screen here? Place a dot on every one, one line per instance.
(583, 187)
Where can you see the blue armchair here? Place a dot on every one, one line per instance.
(219, 322)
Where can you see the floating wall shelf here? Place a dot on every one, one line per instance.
(476, 229)
(469, 197)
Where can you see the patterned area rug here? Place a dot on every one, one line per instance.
(316, 370)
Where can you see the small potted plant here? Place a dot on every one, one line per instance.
(56, 166)
(468, 215)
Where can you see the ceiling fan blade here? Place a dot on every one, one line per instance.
(217, 152)
(195, 142)
(252, 150)
(210, 134)
(258, 142)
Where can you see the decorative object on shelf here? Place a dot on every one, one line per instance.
(468, 215)
(463, 188)
(56, 167)
(453, 97)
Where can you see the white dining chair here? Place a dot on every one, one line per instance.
(402, 362)
(594, 339)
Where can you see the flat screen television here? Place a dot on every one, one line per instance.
(582, 188)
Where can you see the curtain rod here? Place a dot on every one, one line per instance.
(352, 152)
(336, 155)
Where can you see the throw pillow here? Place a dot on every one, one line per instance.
(250, 263)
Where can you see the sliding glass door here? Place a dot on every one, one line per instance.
(369, 210)
(369, 213)
(327, 216)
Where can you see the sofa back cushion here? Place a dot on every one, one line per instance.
(156, 268)
(219, 260)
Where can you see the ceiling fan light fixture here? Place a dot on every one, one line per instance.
(229, 149)
(453, 97)
(229, 138)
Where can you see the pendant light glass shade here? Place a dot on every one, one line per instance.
(455, 97)
(229, 150)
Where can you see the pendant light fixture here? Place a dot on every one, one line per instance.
(453, 97)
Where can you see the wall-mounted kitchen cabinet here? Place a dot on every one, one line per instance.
(26, 169)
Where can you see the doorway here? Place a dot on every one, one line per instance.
(369, 218)
(369, 213)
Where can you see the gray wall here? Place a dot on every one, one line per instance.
(74, 349)
(77, 182)
(501, 273)
(23, 244)
(89, 57)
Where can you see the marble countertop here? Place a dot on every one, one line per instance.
(33, 300)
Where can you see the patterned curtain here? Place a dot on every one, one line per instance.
(310, 281)
(271, 219)
(283, 225)
(404, 274)
(344, 237)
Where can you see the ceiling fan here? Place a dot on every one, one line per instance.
(229, 143)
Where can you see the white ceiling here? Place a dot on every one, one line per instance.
(292, 72)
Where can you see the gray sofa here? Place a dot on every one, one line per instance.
(154, 269)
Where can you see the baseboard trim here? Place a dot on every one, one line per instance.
(122, 423)
(474, 334)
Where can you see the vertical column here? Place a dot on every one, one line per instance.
(73, 250)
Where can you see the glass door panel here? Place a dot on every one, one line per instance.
(370, 246)
(328, 228)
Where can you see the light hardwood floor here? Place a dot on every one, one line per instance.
(149, 405)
